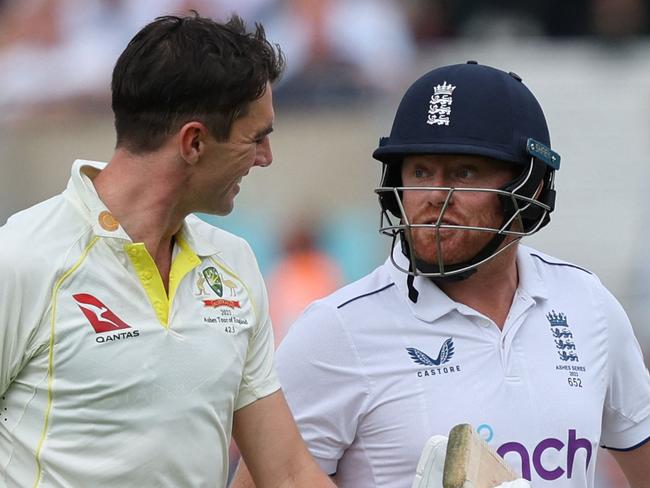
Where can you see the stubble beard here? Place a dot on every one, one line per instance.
(456, 245)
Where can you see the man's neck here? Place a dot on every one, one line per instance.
(144, 195)
(491, 289)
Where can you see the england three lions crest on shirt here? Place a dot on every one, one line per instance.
(566, 348)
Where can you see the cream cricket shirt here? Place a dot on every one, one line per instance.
(370, 376)
(106, 382)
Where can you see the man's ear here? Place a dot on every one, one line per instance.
(192, 139)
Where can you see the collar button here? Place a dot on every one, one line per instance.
(107, 221)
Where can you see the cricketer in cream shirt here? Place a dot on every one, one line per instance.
(96, 358)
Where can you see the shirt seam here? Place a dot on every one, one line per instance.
(50, 368)
(368, 383)
(35, 348)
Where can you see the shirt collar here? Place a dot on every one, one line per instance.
(530, 280)
(200, 236)
(433, 303)
(82, 191)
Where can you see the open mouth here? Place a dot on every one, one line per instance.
(445, 222)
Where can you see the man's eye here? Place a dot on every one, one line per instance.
(465, 172)
(419, 173)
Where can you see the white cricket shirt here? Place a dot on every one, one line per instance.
(370, 376)
(106, 381)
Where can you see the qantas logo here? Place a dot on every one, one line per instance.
(99, 315)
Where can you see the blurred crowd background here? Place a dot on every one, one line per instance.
(312, 217)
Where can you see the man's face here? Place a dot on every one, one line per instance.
(470, 208)
(229, 161)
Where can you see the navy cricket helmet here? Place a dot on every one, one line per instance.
(471, 109)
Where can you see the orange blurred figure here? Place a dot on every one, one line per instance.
(304, 274)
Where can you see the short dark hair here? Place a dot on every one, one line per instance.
(178, 69)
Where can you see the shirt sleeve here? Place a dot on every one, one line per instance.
(259, 378)
(626, 415)
(322, 378)
(22, 301)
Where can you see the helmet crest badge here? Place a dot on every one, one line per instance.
(440, 104)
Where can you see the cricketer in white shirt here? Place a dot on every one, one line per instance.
(105, 381)
(370, 375)
(461, 325)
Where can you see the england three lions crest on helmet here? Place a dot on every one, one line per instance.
(440, 104)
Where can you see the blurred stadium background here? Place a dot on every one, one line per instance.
(312, 217)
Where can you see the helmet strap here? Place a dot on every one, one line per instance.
(413, 293)
(410, 276)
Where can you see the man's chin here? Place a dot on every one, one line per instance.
(454, 251)
(448, 259)
(220, 211)
(446, 262)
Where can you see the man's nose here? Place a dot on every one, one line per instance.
(439, 191)
(264, 155)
